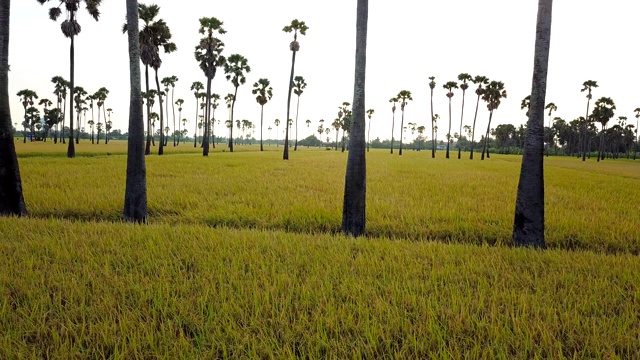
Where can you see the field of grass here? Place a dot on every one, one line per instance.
(242, 258)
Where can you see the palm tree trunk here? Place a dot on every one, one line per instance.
(401, 127)
(393, 120)
(285, 155)
(205, 137)
(449, 132)
(233, 105)
(71, 150)
(195, 132)
(295, 147)
(433, 136)
(354, 203)
(11, 199)
(261, 121)
(528, 224)
(369, 135)
(486, 137)
(212, 123)
(461, 119)
(147, 149)
(161, 146)
(586, 148)
(473, 128)
(64, 106)
(135, 195)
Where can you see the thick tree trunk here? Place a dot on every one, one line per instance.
(135, 195)
(71, 150)
(528, 224)
(285, 155)
(161, 146)
(354, 209)
(11, 199)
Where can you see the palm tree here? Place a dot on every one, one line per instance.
(277, 123)
(264, 92)
(298, 88)
(61, 86)
(11, 198)
(27, 98)
(295, 27)
(45, 103)
(637, 111)
(161, 39)
(71, 28)
(308, 122)
(551, 107)
(135, 195)
(214, 105)
(355, 188)
(403, 96)
(587, 86)
(463, 78)
(107, 126)
(480, 81)
(449, 86)
(432, 85)
(236, 67)
(369, 115)
(393, 100)
(179, 102)
(167, 82)
(79, 98)
(493, 94)
(196, 87)
(209, 56)
(528, 224)
(434, 126)
(603, 111)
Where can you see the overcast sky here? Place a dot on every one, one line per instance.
(408, 41)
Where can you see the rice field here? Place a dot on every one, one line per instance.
(242, 258)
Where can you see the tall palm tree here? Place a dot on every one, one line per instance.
(215, 98)
(432, 85)
(171, 81)
(464, 78)
(528, 224)
(209, 56)
(403, 96)
(61, 86)
(135, 195)
(179, 102)
(369, 115)
(71, 28)
(27, 98)
(196, 87)
(162, 39)
(355, 188)
(79, 98)
(264, 92)
(295, 27)
(11, 198)
(308, 122)
(480, 81)
(588, 86)
(236, 67)
(494, 93)
(393, 100)
(603, 111)
(298, 88)
(449, 86)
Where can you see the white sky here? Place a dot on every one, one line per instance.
(408, 41)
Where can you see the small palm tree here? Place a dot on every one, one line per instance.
(603, 111)
(170, 81)
(308, 122)
(494, 93)
(393, 100)
(196, 87)
(588, 86)
(71, 28)
(277, 124)
(369, 115)
(236, 67)
(432, 85)
(295, 27)
(464, 78)
(403, 96)
(27, 98)
(480, 81)
(449, 86)
(179, 102)
(262, 88)
(61, 86)
(298, 88)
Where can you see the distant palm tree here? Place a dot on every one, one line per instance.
(277, 123)
(603, 111)
(79, 99)
(45, 104)
(308, 122)
(449, 86)
(179, 102)
(196, 87)
(637, 140)
(464, 78)
(236, 67)
(393, 119)
(295, 27)
(214, 105)
(27, 98)
(70, 28)
(434, 126)
(480, 81)
(209, 56)
(369, 115)
(403, 96)
(432, 85)
(494, 93)
(298, 88)
(587, 86)
(167, 82)
(11, 198)
(262, 88)
(551, 107)
(61, 86)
